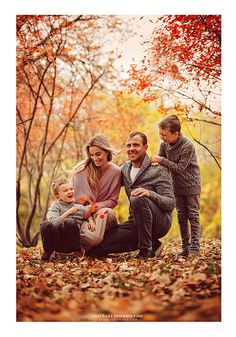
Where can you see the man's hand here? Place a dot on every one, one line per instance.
(155, 160)
(141, 192)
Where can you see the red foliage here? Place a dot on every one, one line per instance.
(194, 41)
(183, 48)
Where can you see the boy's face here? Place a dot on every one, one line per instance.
(65, 193)
(167, 136)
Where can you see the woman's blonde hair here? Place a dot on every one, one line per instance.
(102, 142)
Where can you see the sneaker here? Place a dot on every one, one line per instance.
(145, 253)
(46, 256)
(183, 253)
(158, 249)
(193, 253)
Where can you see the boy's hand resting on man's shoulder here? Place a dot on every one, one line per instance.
(155, 160)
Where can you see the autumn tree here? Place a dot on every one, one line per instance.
(61, 60)
(182, 65)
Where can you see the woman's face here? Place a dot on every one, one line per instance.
(98, 156)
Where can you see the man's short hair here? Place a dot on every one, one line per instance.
(138, 133)
(170, 122)
(58, 182)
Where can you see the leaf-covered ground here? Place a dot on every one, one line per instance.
(120, 288)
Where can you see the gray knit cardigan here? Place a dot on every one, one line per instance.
(156, 179)
(181, 160)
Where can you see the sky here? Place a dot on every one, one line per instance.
(131, 48)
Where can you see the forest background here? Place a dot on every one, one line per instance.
(75, 81)
(8, 170)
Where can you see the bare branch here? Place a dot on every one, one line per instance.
(213, 156)
(26, 120)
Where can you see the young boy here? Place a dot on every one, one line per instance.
(61, 231)
(177, 153)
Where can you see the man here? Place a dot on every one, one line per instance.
(150, 192)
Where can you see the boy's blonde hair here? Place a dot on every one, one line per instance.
(58, 182)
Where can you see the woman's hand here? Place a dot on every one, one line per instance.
(140, 192)
(91, 225)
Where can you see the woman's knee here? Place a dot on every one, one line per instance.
(107, 211)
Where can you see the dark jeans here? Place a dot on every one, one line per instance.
(151, 221)
(142, 231)
(188, 209)
(64, 238)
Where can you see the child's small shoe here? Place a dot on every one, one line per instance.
(46, 256)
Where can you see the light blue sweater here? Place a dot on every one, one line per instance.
(59, 207)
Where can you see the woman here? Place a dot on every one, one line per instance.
(99, 180)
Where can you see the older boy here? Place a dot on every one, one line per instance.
(61, 231)
(177, 153)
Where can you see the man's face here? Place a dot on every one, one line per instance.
(136, 150)
(167, 136)
(65, 193)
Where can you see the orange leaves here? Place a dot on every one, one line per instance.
(90, 206)
(120, 287)
(139, 79)
(149, 98)
(143, 83)
(82, 199)
(91, 209)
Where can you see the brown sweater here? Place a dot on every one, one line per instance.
(181, 160)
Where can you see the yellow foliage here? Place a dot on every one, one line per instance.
(116, 115)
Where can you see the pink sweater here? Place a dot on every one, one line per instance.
(107, 192)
